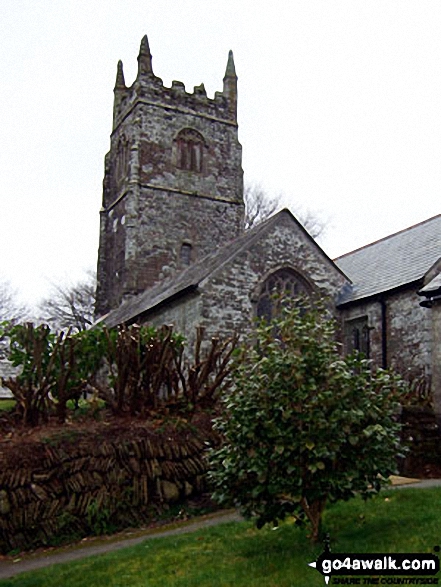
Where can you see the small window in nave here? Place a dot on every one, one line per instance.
(357, 336)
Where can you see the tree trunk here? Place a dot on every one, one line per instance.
(314, 513)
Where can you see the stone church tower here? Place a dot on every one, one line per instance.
(173, 184)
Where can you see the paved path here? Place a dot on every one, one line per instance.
(30, 562)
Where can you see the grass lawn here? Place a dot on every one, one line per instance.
(7, 404)
(239, 555)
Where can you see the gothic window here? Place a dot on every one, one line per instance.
(189, 150)
(284, 284)
(122, 159)
(186, 249)
(357, 336)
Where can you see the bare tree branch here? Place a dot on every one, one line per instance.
(12, 311)
(312, 222)
(11, 308)
(260, 205)
(70, 306)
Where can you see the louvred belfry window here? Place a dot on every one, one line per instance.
(190, 146)
(281, 286)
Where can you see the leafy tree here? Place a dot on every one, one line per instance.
(136, 370)
(54, 368)
(303, 426)
(146, 369)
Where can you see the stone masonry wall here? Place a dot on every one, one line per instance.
(70, 485)
(409, 335)
(434, 314)
(230, 296)
(152, 204)
(226, 300)
(408, 332)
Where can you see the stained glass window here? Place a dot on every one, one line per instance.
(284, 284)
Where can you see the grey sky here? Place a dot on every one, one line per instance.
(339, 110)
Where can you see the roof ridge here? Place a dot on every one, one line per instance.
(385, 238)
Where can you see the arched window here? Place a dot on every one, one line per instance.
(122, 158)
(284, 284)
(190, 146)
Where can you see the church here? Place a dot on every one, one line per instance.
(173, 249)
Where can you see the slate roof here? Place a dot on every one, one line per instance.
(433, 287)
(189, 279)
(394, 261)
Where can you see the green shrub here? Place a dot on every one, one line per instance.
(303, 426)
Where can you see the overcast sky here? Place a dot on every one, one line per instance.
(339, 110)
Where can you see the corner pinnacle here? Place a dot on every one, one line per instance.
(144, 57)
(144, 48)
(120, 83)
(231, 70)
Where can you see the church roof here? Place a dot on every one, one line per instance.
(394, 261)
(433, 287)
(189, 279)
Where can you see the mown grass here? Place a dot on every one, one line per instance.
(7, 404)
(239, 555)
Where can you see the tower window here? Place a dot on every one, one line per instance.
(190, 146)
(122, 159)
(186, 249)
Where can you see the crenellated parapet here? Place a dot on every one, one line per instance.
(150, 89)
(173, 182)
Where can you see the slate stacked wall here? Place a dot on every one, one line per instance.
(69, 488)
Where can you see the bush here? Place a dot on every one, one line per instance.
(303, 426)
(135, 370)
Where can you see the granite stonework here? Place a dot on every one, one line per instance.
(227, 293)
(400, 331)
(173, 184)
(173, 248)
(434, 314)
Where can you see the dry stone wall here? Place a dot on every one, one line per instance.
(84, 484)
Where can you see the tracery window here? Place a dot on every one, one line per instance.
(282, 285)
(122, 158)
(190, 146)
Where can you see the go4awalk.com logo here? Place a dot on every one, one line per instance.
(385, 569)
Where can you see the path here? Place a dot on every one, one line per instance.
(30, 562)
